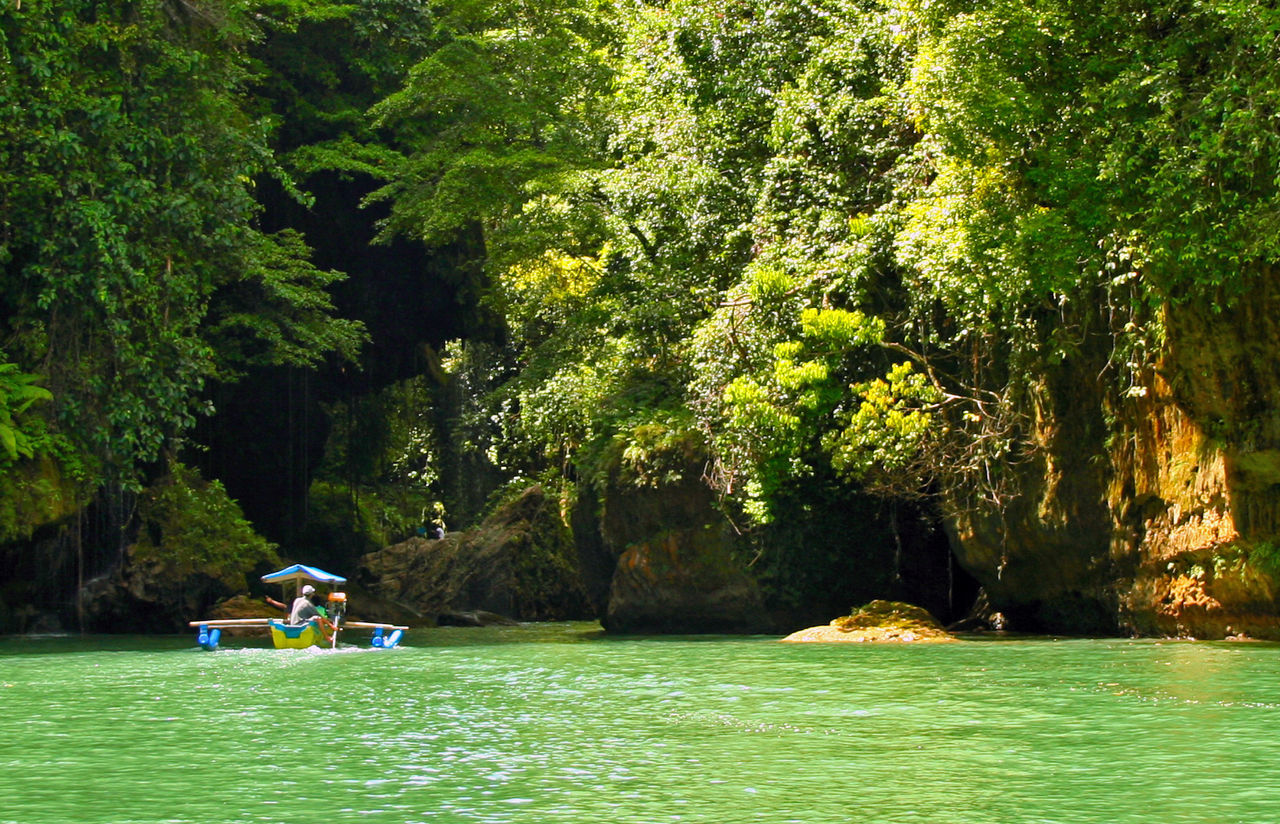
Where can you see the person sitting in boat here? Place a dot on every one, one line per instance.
(303, 609)
(306, 608)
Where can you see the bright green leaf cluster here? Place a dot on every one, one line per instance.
(890, 428)
(192, 527)
(18, 391)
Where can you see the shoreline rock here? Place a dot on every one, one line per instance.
(518, 565)
(879, 622)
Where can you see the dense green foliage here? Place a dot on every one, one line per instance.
(834, 234)
(133, 272)
(18, 391)
(190, 527)
(378, 483)
(829, 242)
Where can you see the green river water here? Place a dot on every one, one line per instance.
(557, 723)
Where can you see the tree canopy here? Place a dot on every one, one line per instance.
(819, 238)
(134, 272)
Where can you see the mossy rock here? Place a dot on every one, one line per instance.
(519, 562)
(684, 581)
(879, 622)
(34, 494)
(242, 606)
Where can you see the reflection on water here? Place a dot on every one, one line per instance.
(558, 723)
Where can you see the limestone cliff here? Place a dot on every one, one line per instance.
(657, 554)
(1153, 511)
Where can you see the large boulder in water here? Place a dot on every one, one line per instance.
(519, 563)
(657, 554)
(879, 622)
(683, 581)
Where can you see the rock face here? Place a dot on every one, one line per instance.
(1044, 559)
(519, 563)
(1199, 480)
(1155, 511)
(143, 596)
(879, 622)
(37, 502)
(683, 581)
(657, 556)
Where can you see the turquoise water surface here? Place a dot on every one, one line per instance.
(557, 723)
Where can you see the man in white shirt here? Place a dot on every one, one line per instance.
(303, 610)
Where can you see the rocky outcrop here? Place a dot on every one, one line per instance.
(1154, 511)
(659, 555)
(143, 595)
(1043, 554)
(684, 581)
(880, 622)
(188, 546)
(518, 563)
(657, 552)
(38, 508)
(1198, 482)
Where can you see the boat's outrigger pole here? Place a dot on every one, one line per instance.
(210, 632)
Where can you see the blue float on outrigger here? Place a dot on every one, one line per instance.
(316, 632)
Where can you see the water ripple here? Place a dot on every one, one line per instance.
(545, 727)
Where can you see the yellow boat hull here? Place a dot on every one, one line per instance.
(286, 636)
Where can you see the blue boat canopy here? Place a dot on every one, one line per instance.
(302, 572)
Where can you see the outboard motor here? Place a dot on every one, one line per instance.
(337, 607)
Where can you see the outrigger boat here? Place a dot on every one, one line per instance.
(315, 632)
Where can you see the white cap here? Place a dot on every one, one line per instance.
(308, 589)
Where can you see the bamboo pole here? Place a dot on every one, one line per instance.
(367, 625)
(230, 622)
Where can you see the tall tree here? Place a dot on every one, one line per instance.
(126, 211)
